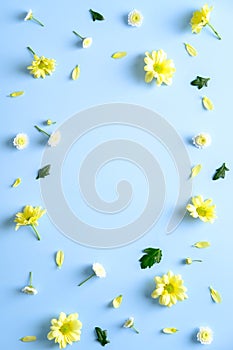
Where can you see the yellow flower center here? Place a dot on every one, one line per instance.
(136, 18)
(201, 211)
(65, 328)
(169, 288)
(158, 68)
(21, 141)
(205, 335)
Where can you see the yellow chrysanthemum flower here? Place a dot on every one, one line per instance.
(65, 330)
(41, 66)
(158, 67)
(204, 210)
(169, 289)
(201, 18)
(29, 217)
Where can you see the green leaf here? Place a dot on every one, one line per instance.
(220, 172)
(96, 16)
(101, 336)
(43, 172)
(152, 256)
(215, 295)
(202, 244)
(200, 82)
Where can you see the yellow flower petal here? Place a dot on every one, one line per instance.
(215, 295)
(207, 103)
(119, 54)
(117, 301)
(76, 73)
(191, 50)
(28, 338)
(17, 182)
(60, 258)
(16, 93)
(202, 244)
(170, 330)
(196, 170)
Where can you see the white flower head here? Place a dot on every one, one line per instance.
(54, 139)
(28, 16)
(129, 322)
(205, 335)
(99, 270)
(29, 290)
(21, 141)
(202, 140)
(135, 18)
(87, 42)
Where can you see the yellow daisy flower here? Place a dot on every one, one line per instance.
(29, 217)
(204, 210)
(201, 18)
(158, 67)
(169, 289)
(41, 66)
(65, 330)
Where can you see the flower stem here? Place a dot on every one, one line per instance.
(30, 278)
(135, 329)
(198, 260)
(39, 22)
(78, 34)
(41, 130)
(88, 278)
(30, 49)
(36, 232)
(215, 32)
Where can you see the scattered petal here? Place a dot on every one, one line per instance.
(16, 93)
(202, 244)
(195, 170)
(170, 330)
(117, 301)
(76, 73)
(60, 258)
(28, 338)
(207, 103)
(119, 54)
(215, 295)
(17, 182)
(191, 50)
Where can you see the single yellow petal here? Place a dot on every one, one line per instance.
(215, 295)
(191, 50)
(17, 182)
(196, 170)
(202, 244)
(119, 54)
(117, 301)
(28, 338)
(60, 258)
(207, 103)
(76, 73)
(170, 330)
(16, 93)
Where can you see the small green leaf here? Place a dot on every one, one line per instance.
(119, 54)
(117, 301)
(28, 338)
(152, 256)
(195, 170)
(96, 16)
(202, 244)
(101, 336)
(220, 172)
(170, 330)
(215, 295)
(43, 172)
(75, 73)
(200, 82)
(60, 258)
(16, 93)
(190, 49)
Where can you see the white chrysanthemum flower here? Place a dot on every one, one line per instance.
(21, 141)
(29, 290)
(202, 140)
(130, 324)
(135, 18)
(205, 335)
(99, 270)
(28, 16)
(87, 42)
(54, 139)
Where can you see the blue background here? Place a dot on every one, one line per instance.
(103, 80)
